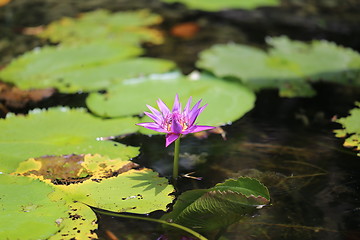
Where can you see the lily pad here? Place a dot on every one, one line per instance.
(351, 129)
(126, 27)
(208, 210)
(61, 131)
(26, 211)
(89, 67)
(80, 222)
(289, 65)
(215, 5)
(226, 101)
(107, 183)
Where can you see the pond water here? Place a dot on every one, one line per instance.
(288, 144)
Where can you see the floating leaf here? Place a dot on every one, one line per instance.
(83, 68)
(110, 184)
(26, 211)
(289, 65)
(208, 210)
(45, 67)
(60, 131)
(135, 191)
(233, 99)
(73, 168)
(215, 5)
(351, 129)
(125, 27)
(80, 223)
(107, 183)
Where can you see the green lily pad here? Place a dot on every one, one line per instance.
(226, 101)
(26, 211)
(87, 67)
(61, 131)
(209, 210)
(126, 27)
(289, 66)
(80, 222)
(215, 5)
(351, 129)
(62, 209)
(108, 183)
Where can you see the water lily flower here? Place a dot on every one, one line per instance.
(176, 122)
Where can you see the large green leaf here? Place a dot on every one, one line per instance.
(26, 211)
(351, 129)
(216, 5)
(60, 131)
(208, 210)
(226, 101)
(125, 27)
(87, 67)
(289, 65)
(33, 209)
(107, 183)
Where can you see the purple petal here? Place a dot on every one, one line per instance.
(177, 104)
(170, 138)
(163, 108)
(187, 107)
(197, 128)
(152, 126)
(194, 114)
(157, 119)
(196, 106)
(175, 126)
(154, 110)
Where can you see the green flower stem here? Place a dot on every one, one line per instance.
(188, 230)
(176, 159)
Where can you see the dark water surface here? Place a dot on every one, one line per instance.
(288, 144)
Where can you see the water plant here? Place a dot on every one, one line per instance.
(175, 123)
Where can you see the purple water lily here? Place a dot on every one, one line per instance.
(176, 122)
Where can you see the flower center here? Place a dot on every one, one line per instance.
(180, 118)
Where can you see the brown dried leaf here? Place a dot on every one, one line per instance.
(17, 98)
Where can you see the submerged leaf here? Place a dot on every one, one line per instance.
(61, 131)
(120, 100)
(125, 27)
(16, 98)
(351, 129)
(26, 211)
(289, 65)
(216, 5)
(208, 210)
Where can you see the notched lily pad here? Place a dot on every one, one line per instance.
(290, 66)
(120, 100)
